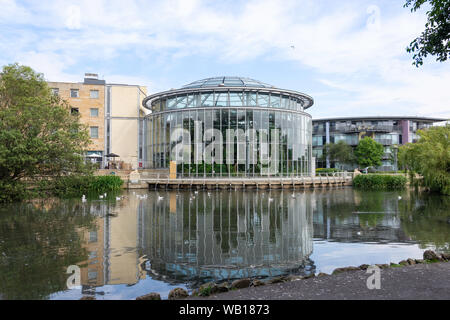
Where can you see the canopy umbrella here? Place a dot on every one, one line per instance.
(94, 155)
(112, 155)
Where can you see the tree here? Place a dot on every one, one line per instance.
(430, 157)
(435, 39)
(39, 138)
(369, 153)
(340, 152)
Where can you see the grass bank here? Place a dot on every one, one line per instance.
(379, 182)
(74, 186)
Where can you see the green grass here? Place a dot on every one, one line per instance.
(204, 292)
(395, 265)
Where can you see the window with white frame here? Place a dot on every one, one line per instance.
(74, 93)
(94, 94)
(94, 132)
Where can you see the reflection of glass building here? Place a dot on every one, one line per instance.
(229, 126)
(388, 131)
(228, 235)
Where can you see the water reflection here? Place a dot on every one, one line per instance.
(37, 243)
(214, 236)
(155, 241)
(347, 215)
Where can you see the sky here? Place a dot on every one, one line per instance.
(349, 55)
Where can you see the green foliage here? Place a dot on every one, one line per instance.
(73, 186)
(435, 39)
(429, 157)
(369, 153)
(340, 152)
(326, 170)
(205, 291)
(38, 135)
(379, 182)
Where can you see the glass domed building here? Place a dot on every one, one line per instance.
(229, 127)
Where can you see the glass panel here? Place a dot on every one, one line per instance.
(250, 99)
(181, 102)
(241, 119)
(274, 101)
(263, 99)
(236, 99)
(207, 99)
(191, 101)
(156, 106)
(94, 112)
(94, 132)
(221, 99)
(171, 103)
(94, 94)
(285, 102)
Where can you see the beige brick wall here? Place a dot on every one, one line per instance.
(84, 103)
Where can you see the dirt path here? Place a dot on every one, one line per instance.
(421, 281)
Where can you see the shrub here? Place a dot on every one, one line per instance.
(72, 186)
(326, 170)
(379, 182)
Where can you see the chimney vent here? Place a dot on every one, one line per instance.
(93, 76)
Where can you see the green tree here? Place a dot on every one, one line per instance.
(369, 153)
(430, 157)
(435, 39)
(39, 139)
(340, 152)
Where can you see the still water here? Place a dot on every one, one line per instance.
(154, 241)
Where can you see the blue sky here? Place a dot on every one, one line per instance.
(348, 55)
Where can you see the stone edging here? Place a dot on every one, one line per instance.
(210, 288)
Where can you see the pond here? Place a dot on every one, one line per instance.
(154, 241)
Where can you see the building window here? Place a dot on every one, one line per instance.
(94, 132)
(94, 94)
(94, 112)
(74, 111)
(55, 91)
(93, 236)
(92, 274)
(74, 93)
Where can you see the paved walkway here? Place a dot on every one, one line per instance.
(422, 281)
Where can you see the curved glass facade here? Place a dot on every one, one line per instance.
(228, 98)
(229, 133)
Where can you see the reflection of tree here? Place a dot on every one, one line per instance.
(426, 218)
(36, 247)
(373, 202)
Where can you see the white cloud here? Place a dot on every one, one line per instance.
(355, 49)
(73, 18)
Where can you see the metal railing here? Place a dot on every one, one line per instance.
(162, 176)
(360, 128)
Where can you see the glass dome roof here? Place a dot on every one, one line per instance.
(227, 82)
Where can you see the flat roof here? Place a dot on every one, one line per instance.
(429, 119)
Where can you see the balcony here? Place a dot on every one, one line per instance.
(367, 128)
(318, 130)
(384, 142)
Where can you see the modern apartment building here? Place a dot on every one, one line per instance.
(389, 131)
(113, 115)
